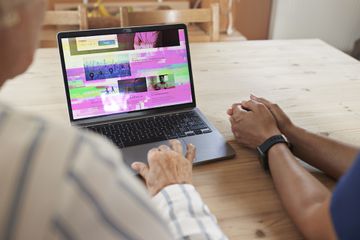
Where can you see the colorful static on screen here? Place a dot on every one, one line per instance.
(109, 74)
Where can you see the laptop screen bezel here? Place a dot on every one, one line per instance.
(137, 113)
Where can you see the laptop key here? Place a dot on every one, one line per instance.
(180, 135)
(190, 133)
(172, 136)
(206, 130)
(198, 126)
(198, 132)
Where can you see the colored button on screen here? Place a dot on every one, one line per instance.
(106, 42)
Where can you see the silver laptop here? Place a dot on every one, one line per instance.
(135, 87)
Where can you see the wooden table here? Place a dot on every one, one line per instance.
(317, 85)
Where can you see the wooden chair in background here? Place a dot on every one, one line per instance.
(228, 32)
(203, 23)
(110, 18)
(137, 5)
(56, 21)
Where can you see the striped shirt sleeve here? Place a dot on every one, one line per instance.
(188, 217)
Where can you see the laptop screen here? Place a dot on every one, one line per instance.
(126, 72)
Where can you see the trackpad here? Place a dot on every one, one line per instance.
(209, 148)
(139, 153)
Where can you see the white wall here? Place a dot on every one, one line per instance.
(334, 21)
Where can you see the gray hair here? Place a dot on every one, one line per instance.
(8, 11)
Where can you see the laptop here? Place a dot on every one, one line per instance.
(135, 87)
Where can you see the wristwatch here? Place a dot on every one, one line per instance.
(264, 148)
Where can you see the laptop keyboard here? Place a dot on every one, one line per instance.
(153, 129)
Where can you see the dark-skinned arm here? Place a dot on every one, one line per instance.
(304, 197)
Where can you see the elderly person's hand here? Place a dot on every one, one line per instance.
(252, 123)
(167, 166)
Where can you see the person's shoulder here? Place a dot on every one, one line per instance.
(357, 160)
(354, 169)
(16, 120)
(23, 125)
(344, 203)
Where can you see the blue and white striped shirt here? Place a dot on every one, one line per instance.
(62, 183)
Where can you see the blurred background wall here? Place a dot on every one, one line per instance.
(252, 18)
(334, 21)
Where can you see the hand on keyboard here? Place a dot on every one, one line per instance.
(166, 166)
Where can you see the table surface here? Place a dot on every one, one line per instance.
(315, 84)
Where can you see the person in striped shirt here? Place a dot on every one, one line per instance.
(57, 182)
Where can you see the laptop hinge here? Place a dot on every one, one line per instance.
(108, 121)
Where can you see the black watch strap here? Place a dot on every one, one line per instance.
(264, 148)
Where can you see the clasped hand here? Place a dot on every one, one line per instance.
(256, 120)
